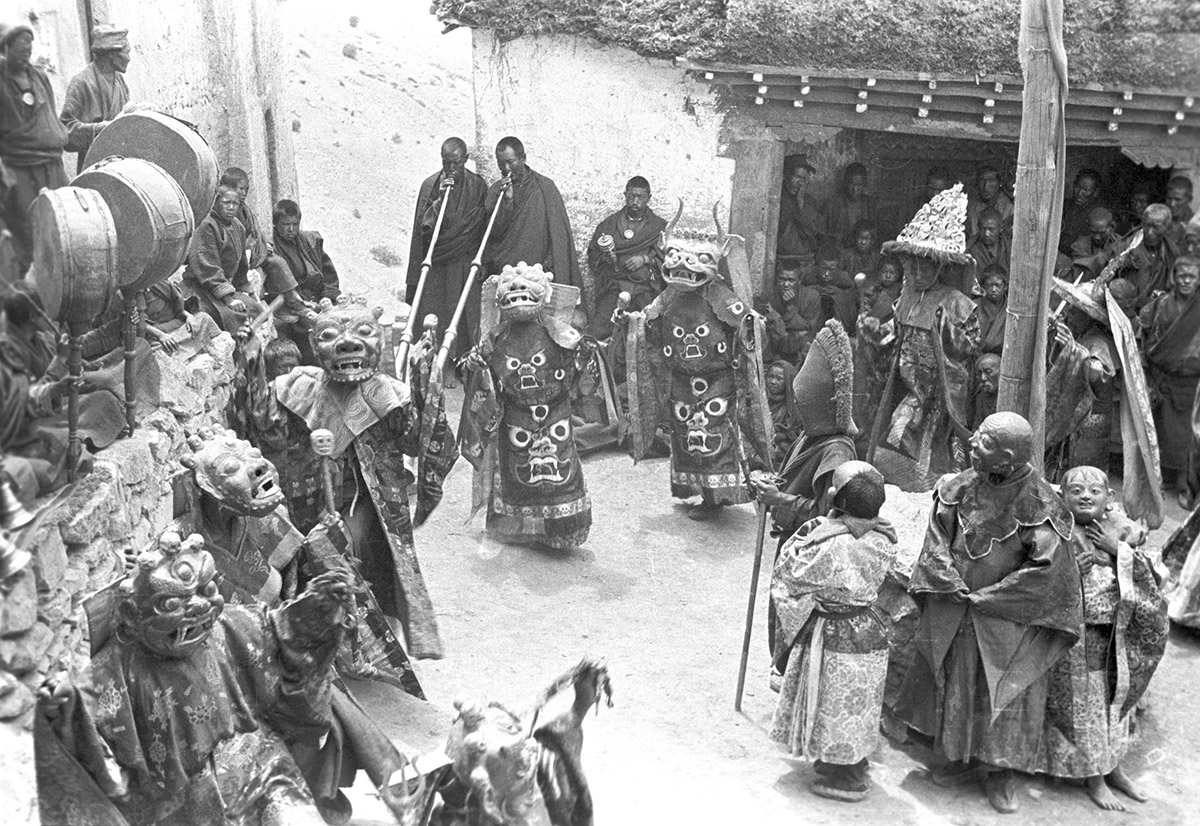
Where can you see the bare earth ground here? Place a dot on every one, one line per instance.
(660, 597)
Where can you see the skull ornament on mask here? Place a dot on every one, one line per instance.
(169, 602)
(701, 408)
(521, 291)
(542, 450)
(234, 473)
(694, 340)
(532, 369)
(348, 341)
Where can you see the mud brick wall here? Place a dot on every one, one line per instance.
(81, 546)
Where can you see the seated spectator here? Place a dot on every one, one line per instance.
(849, 205)
(1128, 217)
(1085, 196)
(992, 308)
(864, 255)
(785, 415)
(791, 316)
(835, 287)
(1091, 252)
(991, 247)
(277, 275)
(989, 194)
(316, 278)
(216, 274)
(1179, 201)
(624, 255)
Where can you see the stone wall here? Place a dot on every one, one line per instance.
(215, 63)
(80, 545)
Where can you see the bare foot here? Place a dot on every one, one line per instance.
(1101, 795)
(1120, 781)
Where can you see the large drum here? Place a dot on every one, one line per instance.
(154, 219)
(168, 142)
(74, 253)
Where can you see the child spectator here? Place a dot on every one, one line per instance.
(216, 273)
(835, 287)
(781, 400)
(1094, 689)
(863, 256)
(826, 585)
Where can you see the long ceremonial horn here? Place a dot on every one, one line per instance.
(406, 338)
(452, 327)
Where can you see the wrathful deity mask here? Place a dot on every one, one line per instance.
(691, 260)
(233, 472)
(542, 451)
(348, 341)
(521, 291)
(530, 368)
(693, 339)
(701, 407)
(497, 761)
(170, 602)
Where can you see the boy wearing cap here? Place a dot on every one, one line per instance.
(97, 94)
(826, 586)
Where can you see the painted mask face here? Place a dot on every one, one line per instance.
(693, 339)
(521, 291)
(530, 368)
(170, 602)
(1086, 495)
(234, 473)
(701, 412)
(542, 449)
(348, 340)
(689, 262)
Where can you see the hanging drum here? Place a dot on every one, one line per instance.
(75, 254)
(172, 144)
(153, 217)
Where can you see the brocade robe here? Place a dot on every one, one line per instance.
(825, 587)
(1000, 603)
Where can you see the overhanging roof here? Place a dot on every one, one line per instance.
(980, 107)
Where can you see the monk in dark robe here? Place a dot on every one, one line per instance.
(992, 309)
(1077, 209)
(801, 224)
(31, 137)
(625, 255)
(217, 272)
(1171, 338)
(532, 225)
(1000, 605)
(1149, 264)
(304, 253)
(457, 243)
(97, 94)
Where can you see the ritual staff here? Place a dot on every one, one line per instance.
(1000, 604)
(920, 425)
(98, 93)
(826, 585)
(1170, 329)
(1150, 263)
(217, 273)
(801, 490)
(624, 255)
(31, 137)
(457, 242)
(532, 225)
(1094, 690)
(801, 224)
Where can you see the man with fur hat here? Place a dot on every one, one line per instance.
(920, 428)
(31, 136)
(97, 94)
(1000, 603)
(801, 492)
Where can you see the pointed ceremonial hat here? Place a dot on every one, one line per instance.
(937, 231)
(824, 386)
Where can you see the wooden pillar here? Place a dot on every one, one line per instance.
(1041, 157)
